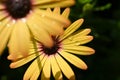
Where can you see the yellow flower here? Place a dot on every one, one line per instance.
(47, 60)
(21, 19)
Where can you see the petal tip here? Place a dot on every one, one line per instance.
(12, 66)
(84, 67)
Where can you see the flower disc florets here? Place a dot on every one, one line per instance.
(18, 8)
(54, 49)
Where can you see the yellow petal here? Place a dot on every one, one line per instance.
(36, 65)
(56, 10)
(2, 7)
(20, 39)
(46, 70)
(3, 15)
(4, 35)
(55, 69)
(72, 28)
(33, 49)
(37, 70)
(65, 68)
(30, 70)
(52, 27)
(52, 16)
(66, 13)
(83, 32)
(77, 40)
(53, 3)
(81, 50)
(73, 60)
(23, 60)
(3, 24)
(39, 33)
(36, 2)
(49, 10)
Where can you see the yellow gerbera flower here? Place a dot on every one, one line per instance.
(47, 60)
(19, 19)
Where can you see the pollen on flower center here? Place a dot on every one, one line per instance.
(18, 8)
(53, 50)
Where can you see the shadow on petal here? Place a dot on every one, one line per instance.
(72, 78)
(58, 75)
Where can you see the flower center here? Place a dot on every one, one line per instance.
(18, 8)
(52, 50)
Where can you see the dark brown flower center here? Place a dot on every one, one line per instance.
(52, 50)
(18, 8)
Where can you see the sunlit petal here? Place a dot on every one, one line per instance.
(55, 69)
(49, 10)
(23, 61)
(30, 70)
(3, 23)
(65, 68)
(73, 60)
(81, 50)
(77, 40)
(52, 27)
(56, 10)
(72, 28)
(83, 32)
(53, 17)
(41, 62)
(34, 67)
(5, 35)
(46, 72)
(3, 14)
(66, 13)
(20, 38)
(39, 33)
(53, 3)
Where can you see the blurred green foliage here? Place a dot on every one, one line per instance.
(103, 17)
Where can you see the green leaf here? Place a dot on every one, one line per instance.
(84, 1)
(101, 8)
(87, 7)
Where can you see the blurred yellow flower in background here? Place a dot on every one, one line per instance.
(22, 19)
(47, 60)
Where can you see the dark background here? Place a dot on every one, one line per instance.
(103, 17)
